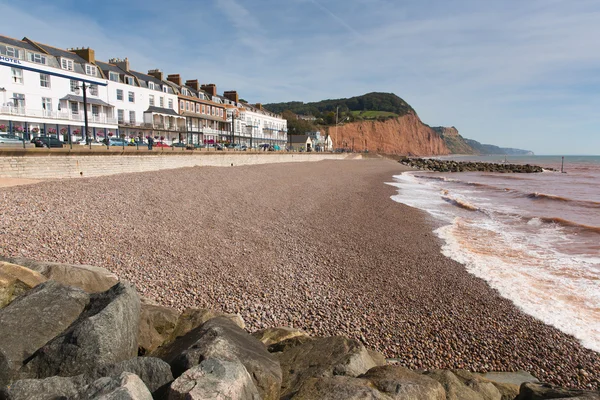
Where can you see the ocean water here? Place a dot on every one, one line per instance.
(533, 237)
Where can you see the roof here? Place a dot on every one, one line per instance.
(298, 138)
(109, 67)
(160, 110)
(89, 100)
(61, 53)
(17, 43)
(146, 77)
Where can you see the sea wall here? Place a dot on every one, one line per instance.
(64, 164)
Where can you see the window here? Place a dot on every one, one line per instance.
(46, 104)
(90, 70)
(151, 100)
(171, 103)
(187, 106)
(129, 80)
(17, 75)
(74, 86)
(151, 85)
(37, 58)
(203, 109)
(67, 64)
(214, 111)
(12, 52)
(45, 80)
(120, 94)
(198, 108)
(132, 117)
(162, 101)
(120, 116)
(165, 89)
(113, 76)
(182, 105)
(93, 90)
(74, 107)
(221, 112)
(19, 100)
(131, 97)
(95, 110)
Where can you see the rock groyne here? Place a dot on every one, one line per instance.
(77, 332)
(468, 166)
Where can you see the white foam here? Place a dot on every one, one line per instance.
(525, 267)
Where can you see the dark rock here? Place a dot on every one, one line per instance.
(56, 387)
(154, 372)
(87, 277)
(33, 319)
(222, 339)
(157, 323)
(540, 391)
(214, 379)
(337, 387)
(401, 383)
(289, 343)
(105, 333)
(322, 357)
(191, 318)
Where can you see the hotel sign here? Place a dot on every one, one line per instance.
(11, 60)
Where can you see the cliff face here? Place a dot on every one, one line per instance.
(405, 135)
(455, 143)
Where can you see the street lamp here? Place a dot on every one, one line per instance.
(85, 116)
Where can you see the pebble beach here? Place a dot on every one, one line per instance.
(318, 246)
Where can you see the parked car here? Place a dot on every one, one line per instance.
(116, 142)
(178, 144)
(10, 139)
(47, 141)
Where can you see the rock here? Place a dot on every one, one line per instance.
(484, 388)
(33, 319)
(56, 387)
(87, 277)
(126, 386)
(378, 358)
(154, 372)
(222, 339)
(508, 383)
(401, 383)
(105, 333)
(540, 391)
(15, 280)
(157, 323)
(214, 379)
(191, 318)
(272, 336)
(288, 344)
(337, 387)
(454, 387)
(322, 357)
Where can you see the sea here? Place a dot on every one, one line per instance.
(533, 237)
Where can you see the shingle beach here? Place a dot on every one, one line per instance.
(319, 246)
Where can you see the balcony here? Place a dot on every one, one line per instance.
(56, 115)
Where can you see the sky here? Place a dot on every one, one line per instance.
(514, 73)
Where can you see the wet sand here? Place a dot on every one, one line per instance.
(320, 246)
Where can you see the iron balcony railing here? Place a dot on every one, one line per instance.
(60, 115)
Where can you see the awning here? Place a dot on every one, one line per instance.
(163, 111)
(90, 100)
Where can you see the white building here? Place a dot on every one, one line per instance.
(41, 92)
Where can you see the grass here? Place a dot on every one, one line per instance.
(373, 114)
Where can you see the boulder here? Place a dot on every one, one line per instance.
(338, 387)
(33, 319)
(191, 318)
(541, 391)
(15, 280)
(87, 277)
(272, 336)
(222, 339)
(56, 387)
(400, 383)
(322, 357)
(508, 383)
(154, 372)
(105, 333)
(378, 358)
(126, 386)
(289, 343)
(487, 390)
(157, 323)
(454, 387)
(214, 379)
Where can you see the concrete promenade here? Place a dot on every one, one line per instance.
(18, 163)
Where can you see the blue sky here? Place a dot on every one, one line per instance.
(513, 73)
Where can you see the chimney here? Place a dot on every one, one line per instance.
(211, 89)
(123, 64)
(193, 84)
(232, 95)
(157, 73)
(87, 54)
(175, 78)
(259, 106)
